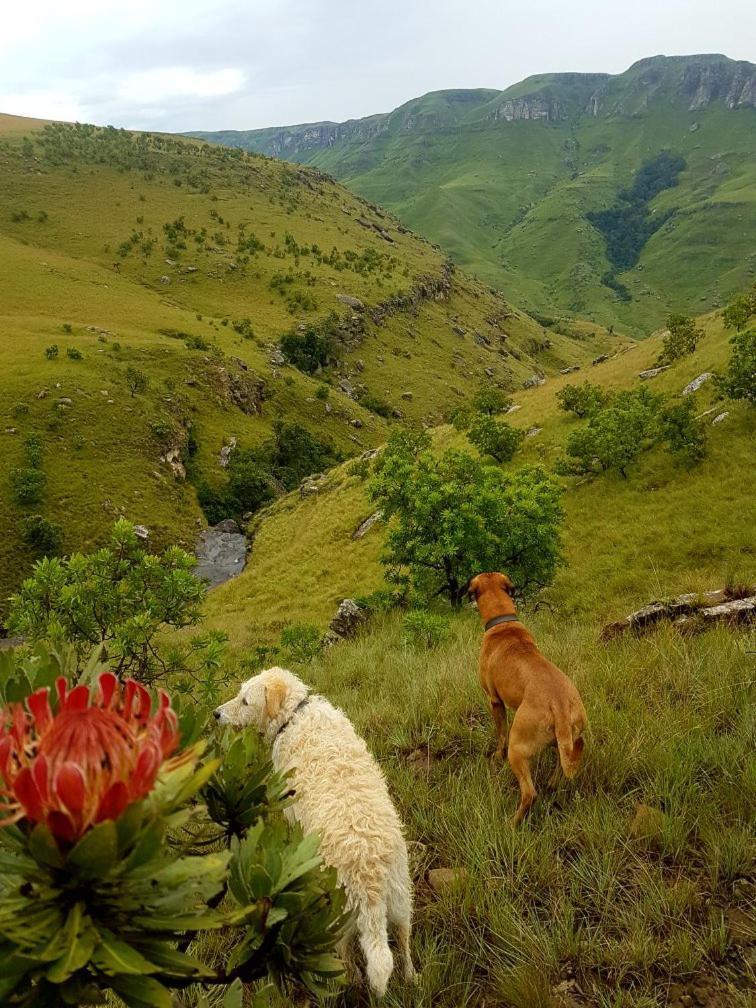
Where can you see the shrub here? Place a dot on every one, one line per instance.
(582, 400)
(28, 485)
(122, 598)
(375, 405)
(684, 434)
(453, 517)
(739, 380)
(425, 629)
(105, 838)
(489, 399)
(322, 391)
(52, 352)
(308, 351)
(301, 642)
(737, 314)
(681, 338)
(41, 536)
(73, 354)
(494, 437)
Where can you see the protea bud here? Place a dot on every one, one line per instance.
(100, 751)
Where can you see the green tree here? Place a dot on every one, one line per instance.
(121, 599)
(737, 314)
(739, 380)
(582, 400)
(489, 399)
(41, 536)
(684, 434)
(452, 517)
(136, 381)
(681, 338)
(615, 436)
(494, 437)
(308, 351)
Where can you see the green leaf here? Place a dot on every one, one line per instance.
(114, 957)
(233, 996)
(141, 992)
(43, 848)
(96, 853)
(79, 940)
(170, 960)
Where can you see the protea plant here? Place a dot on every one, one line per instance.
(101, 885)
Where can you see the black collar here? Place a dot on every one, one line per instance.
(508, 618)
(297, 709)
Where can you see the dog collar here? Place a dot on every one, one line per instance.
(297, 709)
(508, 618)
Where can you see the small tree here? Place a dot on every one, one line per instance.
(453, 517)
(739, 380)
(308, 351)
(41, 536)
(615, 436)
(136, 381)
(685, 435)
(494, 437)
(121, 598)
(582, 400)
(681, 338)
(737, 314)
(491, 400)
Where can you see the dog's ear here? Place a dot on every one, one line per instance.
(472, 589)
(507, 584)
(275, 695)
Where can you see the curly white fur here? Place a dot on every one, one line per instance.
(341, 795)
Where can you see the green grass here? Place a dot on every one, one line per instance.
(508, 199)
(102, 457)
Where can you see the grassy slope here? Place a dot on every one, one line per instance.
(102, 457)
(572, 896)
(508, 199)
(663, 531)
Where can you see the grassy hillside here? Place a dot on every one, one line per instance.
(635, 886)
(188, 263)
(504, 180)
(663, 531)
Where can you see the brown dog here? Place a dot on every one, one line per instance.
(514, 674)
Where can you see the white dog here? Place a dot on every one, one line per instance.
(341, 795)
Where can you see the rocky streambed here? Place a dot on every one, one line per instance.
(221, 553)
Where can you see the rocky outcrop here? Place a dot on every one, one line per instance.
(221, 553)
(687, 611)
(364, 527)
(427, 288)
(696, 384)
(348, 619)
(530, 107)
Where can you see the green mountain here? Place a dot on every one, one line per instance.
(510, 182)
(145, 286)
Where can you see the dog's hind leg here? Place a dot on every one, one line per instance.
(372, 926)
(499, 715)
(524, 742)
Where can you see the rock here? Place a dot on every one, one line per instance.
(360, 365)
(351, 302)
(569, 370)
(696, 384)
(141, 532)
(647, 823)
(459, 331)
(512, 409)
(221, 553)
(276, 357)
(347, 388)
(446, 880)
(408, 396)
(481, 340)
(676, 608)
(65, 401)
(371, 453)
(600, 359)
(225, 452)
(534, 381)
(356, 422)
(165, 279)
(42, 394)
(533, 431)
(364, 527)
(693, 127)
(348, 619)
(653, 372)
(738, 611)
(489, 372)
(309, 487)
(10, 430)
(720, 417)
(173, 459)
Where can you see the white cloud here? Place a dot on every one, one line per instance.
(43, 104)
(154, 86)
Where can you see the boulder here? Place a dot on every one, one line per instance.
(533, 431)
(309, 487)
(407, 395)
(446, 880)
(225, 452)
(600, 359)
(173, 458)
(221, 553)
(228, 525)
(348, 619)
(141, 532)
(534, 381)
(653, 372)
(351, 302)
(364, 527)
(720, 417)
(569, 370)
(696, 384)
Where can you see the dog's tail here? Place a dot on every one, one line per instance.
(372, 925)
(570, 748)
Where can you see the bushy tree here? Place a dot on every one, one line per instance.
(684, 434)
(494, 437)
(742, 309)
(582, 400)
(136, 381)
(452, 517)
(739, 380)
(491, 400)
(615, 436)
(681, 338)
(308, 351)
(41, 536)
(121, 598)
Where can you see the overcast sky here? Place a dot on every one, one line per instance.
(242, 64)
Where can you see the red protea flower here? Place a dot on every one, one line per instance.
(88, 761)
